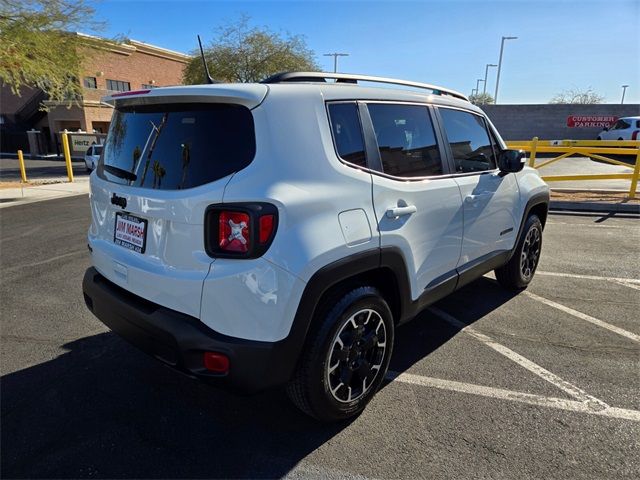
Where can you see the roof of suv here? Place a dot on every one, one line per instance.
(301, 83)
(343, 91)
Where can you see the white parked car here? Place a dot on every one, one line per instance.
(92, 156)
(276, 234)
(626, 128)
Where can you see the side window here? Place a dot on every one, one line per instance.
(89, 82)
(347, 134)
(469, 141)
(118, 85)
(495, 144)
(406, 140)
(620, 125)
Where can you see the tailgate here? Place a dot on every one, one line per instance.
(161, 167)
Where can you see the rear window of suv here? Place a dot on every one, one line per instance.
(177, 146)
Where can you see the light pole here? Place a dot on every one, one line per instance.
(478, 85)
(624, 89)
(474, 91)
(335, 59)
(495, 97)
(486, 72)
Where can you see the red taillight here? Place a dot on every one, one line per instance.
(216, 362)
(239, 230)
(234, 231)
(132, 92)
(266, 228)
(635, 135)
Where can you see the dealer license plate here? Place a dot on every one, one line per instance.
(130, 232)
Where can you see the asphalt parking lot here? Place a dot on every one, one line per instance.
(485, 384)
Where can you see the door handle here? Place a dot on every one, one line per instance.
(401, 211)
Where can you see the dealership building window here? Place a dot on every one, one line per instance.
(148, 86)
(90, 82)
(118, 85)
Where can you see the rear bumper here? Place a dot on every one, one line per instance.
(179, 340)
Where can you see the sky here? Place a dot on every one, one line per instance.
(561, 45)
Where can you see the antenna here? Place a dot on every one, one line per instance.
(204, 61)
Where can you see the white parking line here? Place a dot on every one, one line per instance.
(585, 317)
(588, 225)
(510, 395)
(627, 284)
(43, 262)
(534, 368)
(589, 277)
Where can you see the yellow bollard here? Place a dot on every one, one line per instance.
(634, 177)
(23, 172)
(532, 157)
(67, 155)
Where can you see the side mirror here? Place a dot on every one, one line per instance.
(511, 161)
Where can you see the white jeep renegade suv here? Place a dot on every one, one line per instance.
(259, 235)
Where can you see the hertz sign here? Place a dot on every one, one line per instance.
(592, 121)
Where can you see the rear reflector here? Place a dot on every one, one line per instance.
(132, 92)
(216, 362)
(266, 228)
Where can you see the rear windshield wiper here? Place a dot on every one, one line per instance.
(119, 172)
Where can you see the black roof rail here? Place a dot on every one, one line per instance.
(351, 78)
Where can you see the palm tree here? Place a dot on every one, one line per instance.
(186, 158)
(158, 173)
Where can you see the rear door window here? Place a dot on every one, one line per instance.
(347, 133)
(173, 147)
(406, 140)
(469, 141)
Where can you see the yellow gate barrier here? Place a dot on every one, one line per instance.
(584, 148)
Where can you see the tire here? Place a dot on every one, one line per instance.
(350, 345)
(518, 272)
(599, 138)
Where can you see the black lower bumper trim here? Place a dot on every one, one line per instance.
(179, 340)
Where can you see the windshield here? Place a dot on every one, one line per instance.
(97, 150)
(177, 146)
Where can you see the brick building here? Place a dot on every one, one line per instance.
(131, 65)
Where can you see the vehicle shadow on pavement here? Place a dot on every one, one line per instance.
(426, 333)
(106, 410)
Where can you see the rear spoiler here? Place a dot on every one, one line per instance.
(248, 95)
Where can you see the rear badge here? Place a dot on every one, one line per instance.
(119, 201)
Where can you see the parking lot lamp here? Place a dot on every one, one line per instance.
(486, 72)
(624, 89)
(478, 85)
(335, 59)
(495, 97)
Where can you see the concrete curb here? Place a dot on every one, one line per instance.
(595, 207)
